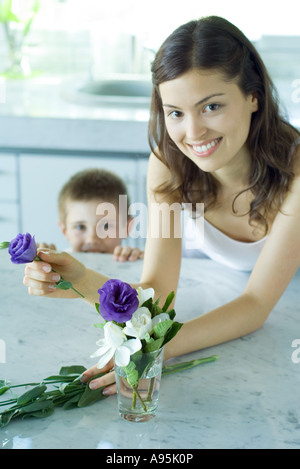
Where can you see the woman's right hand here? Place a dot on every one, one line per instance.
(41, 279)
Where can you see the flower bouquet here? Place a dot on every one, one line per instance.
(136, 329)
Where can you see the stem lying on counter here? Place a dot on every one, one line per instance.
(69, 392)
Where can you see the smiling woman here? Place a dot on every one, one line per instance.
(217, 138)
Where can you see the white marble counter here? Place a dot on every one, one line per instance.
(249, 398)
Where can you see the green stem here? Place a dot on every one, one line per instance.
(74, 289)
(140, 399)
(10, 401)
(133, 399)
(186, 365)
(150, 390)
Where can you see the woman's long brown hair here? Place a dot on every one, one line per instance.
(216, 44)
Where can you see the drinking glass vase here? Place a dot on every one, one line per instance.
(138, 402)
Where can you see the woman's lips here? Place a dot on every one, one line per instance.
(206, 149)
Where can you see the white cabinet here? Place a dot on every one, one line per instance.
(42, 177)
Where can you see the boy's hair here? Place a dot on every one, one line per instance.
(91, 184)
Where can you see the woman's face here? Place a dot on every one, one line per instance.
(208, 119)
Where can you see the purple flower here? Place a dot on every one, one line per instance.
(22, 249)
(118, 301)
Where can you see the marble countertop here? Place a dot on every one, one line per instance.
(38, 114)
(248, 398)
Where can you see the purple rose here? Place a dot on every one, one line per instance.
(118, 301)
(22, 249)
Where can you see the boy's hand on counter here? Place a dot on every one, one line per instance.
(46, 245)
(127, 253)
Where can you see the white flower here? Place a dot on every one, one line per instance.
(159, 318)
(140, 323)
(144, 295)
(115, 344)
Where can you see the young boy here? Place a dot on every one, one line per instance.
(90, 226)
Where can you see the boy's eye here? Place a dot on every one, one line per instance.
(80, 227)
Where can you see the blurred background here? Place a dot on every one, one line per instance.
(95, 38)
(75, 89)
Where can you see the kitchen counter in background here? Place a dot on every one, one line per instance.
(35, 116)
(248, 398)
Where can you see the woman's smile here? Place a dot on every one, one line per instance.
(206, 148)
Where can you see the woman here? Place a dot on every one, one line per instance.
(217, 138)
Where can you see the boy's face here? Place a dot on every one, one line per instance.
(82, 225)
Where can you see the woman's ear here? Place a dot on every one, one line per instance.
(254, 101)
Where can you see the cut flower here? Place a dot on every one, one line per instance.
(117, 301)
(22, 249)
(115, 344)
(140, 324)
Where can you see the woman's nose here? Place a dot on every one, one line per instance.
(195, 128)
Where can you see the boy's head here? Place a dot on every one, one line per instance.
(78, 202)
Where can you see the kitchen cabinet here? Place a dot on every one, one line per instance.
(30, 184)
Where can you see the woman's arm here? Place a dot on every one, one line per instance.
(275, 267)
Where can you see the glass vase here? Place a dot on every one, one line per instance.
(138, 393)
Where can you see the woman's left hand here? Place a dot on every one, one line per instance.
(107, 380)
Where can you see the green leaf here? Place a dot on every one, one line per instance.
(3, 389)
(33, 393)
(6, 417)
(161, 328)
(71, 370)
(91, 395)
(97, 307)
(176, 326)
(39, 404)
(64, 285)
(39, 413)
(132, 375)
(71, 403)
(100, 325)
(171, 313)
(154, 345)
(168, 301)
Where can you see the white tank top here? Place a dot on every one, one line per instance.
(201, 239)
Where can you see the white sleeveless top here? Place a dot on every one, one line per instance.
(201, 239)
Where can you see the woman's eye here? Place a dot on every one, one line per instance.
(212, 107)
(175, 114)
